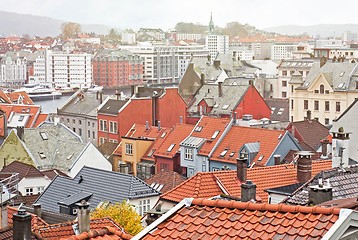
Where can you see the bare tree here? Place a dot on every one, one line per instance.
(70, 29)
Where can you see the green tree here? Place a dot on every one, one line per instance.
(123, 214)
(113, 35)
(70, 29)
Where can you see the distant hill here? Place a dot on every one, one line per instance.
(19, 24)
(324, 30)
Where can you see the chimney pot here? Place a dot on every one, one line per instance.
(248, 191)
(181, 119)
(146, 125)
(241, 169)
(158, 126)
(83, 215)
(304, 166)
(22, 225)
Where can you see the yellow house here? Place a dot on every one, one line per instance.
(327, 91)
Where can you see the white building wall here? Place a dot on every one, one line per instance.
(37, 183)
(152, 201)
(217, 44)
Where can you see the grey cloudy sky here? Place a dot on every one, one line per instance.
(166, 13)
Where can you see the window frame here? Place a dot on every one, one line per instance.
(129, 149)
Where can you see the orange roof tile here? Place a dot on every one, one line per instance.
(169, 180)
(14, 96)
(209, 126)
(35, 220)
(238, 136)
(32, 110)
(208, 184)
(176, 136)
(140, 131)
(65, 230)
(40, 119)
(221, 219)
(4, 98)
(106, 233)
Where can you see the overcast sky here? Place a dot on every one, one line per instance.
(166, 13)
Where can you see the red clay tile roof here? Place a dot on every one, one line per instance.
(65, 230)
(207, 184)
(4, 98)
(312, 132)
(14, 96)
(24, 170)
(40, 119)
(32, 110)
(106, 233)
(169, 180)
(27, 200)
(52, 173)
(221, 219)
(139, 131)
(176, 136)
(238, 136)
(35, 220)
(209, 126)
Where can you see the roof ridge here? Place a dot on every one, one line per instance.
(265, 206)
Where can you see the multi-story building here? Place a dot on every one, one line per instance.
(12, 71)
(61, 69)
(217, 44)
(286, 70)
(155, 34)
(117, 68)
(185, 54)
(283, 51)
(327, 91)
(128, 38)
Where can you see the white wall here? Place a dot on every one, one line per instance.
(135, 202)
(33, 182)
(91, 157)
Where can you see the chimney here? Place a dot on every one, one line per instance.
(325, 143)
(241, 164)
(101, 97)
(304, 166)
(277, 159)
(132, 90)
(22, 225)
(309, 115)
(217, 63)
(209, 58)
(37, 209)
(322, 61)
(115, 163)
(248, 191)
(235, 117)
(118, 95)
(202, 79)
(146, 125)
(320, 193)
(158, 126)
(220, 90)
(97, 95)
(83, 216)
(20, 132)
(293, 130)
(154, 108)
(340, 148)
(181, 119)
(190, 66)
(251, 82)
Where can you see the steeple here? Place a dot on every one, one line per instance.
(211, 24)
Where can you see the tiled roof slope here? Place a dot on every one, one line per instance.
(35, 220)
(176, 136)
(14, 97)
(220, 219)
(238, 136)
(311, 131)
(169, 180)
(65, 230)
(106, 233)
(104, 185)
(140, 131)
(206, 184)
(279, 109)
(111, 107)
(23, 169)
(40, 119)
(209, 126)
(343, 182)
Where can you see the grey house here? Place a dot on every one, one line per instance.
(97, 187)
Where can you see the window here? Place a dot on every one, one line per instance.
(129, 149)
(40, 189)
(292, 104)
(284, 94)
(321, 89)
(305, 104)
(326, 121)
(43, 136)
(80, 122)
(188, 153)
(292, 89)
(74, 129)
(89, 133)
(144, 206)
(89, 124)
(164, 166)
(198, 129)
(103, 125)
(338, 106)
(113, 127)
(326, 106)
(215, 134)
(93, 135)
(68, 120)
(316, 105)
(73, 121)
(29, 191)
(80, 132)
(170, 148)
(101, 140)
(223, 153)
(284, 83)
(284, 73)
(21, 118)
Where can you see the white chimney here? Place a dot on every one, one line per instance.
(340, 148)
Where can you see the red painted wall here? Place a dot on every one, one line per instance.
(106, 134)
(170, 107)
(253, 104)
(161, 160)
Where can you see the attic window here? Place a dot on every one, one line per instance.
(151, 153)
(198, 129)
(42, 155)
(21, 118)
(163, 135)
(170, 148)
(232, 154)
(43, 136)
(216, 133)
(225, 107)
(223, 153)
(260, 158)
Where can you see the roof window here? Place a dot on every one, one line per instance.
(170, 148)
(216, 133)
(43, 136)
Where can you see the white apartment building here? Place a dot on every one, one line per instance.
(128, 38)
(189, 36)
(63, 69)
(186, 53)
(283, 51)
(12, 71)
(217, 44)
(242, 53)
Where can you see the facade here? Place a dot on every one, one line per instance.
(128, 38)
(60, 69)
(327, 91)
(13, 71)
(117, 68)
(217, 44)
(281, 51)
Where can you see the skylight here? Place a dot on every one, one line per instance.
(42, 155)
(232, 154)
(341, 75)
(21, 118)
(170, 148)
(216, 133)
(163, 135)
(260, 158)
(223, 153)
(198, 129)
(43, 136)
(225, 107)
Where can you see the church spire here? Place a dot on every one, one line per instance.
(211, 24)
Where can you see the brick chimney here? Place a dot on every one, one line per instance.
(241, 164)
(83, 216)
(22, 225)
(320, 193)
(325, 143)
(37, 209)
(248, 191)
(202, 79)
(304, 166)
(220, 89)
